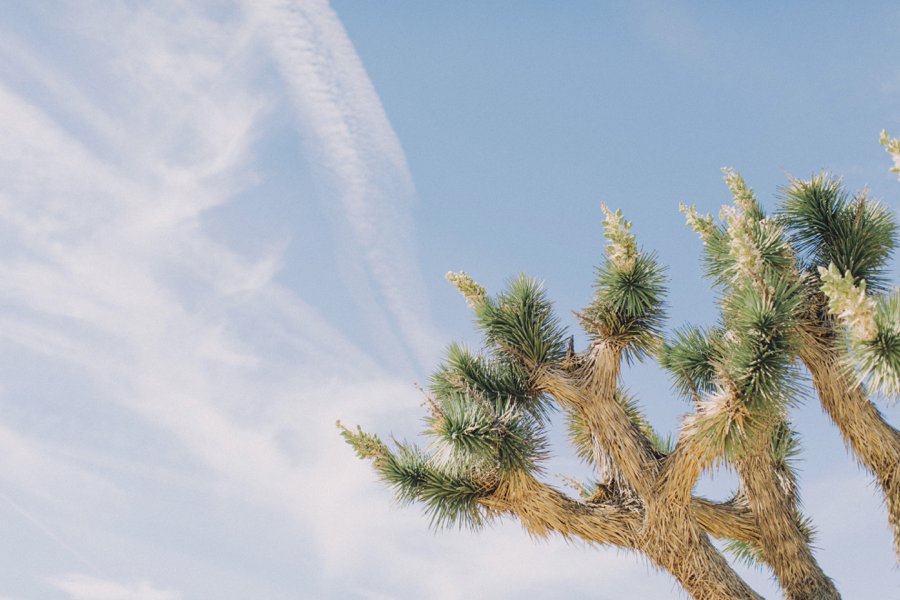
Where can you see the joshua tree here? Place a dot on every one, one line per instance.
(804, 286)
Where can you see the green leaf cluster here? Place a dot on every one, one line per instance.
(827, 225)
(493, 379)
(877, 361)
(450, 496)
(690, 357)
(520, 324)
(761, 341)
(628, 307)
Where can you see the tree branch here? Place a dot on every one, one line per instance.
(610, 426)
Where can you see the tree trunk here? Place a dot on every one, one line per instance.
(784, 546)
(668, 535)
(678, 545)
(874, 442)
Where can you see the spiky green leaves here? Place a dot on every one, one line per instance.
(690, 357)
(748, 554)
(760, 340)
(877, 359)
(742, 373)
(827, 225)
(628, 308)
(746, 245)
(486, 419)
(519, 323)
(484, 416)
(450, 494)
(494, 379)
(741, 377)
(490, 437)
(450, 497)
(850, 240)
(746, 248)
(872, 326)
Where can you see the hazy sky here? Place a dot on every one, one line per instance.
(225, 225)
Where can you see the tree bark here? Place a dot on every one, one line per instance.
(674, 541)
(785, 548)
(726, 520)
(872, 439)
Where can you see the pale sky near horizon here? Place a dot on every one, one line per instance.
(225, 225)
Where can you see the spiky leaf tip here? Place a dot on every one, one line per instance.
(471, 291)
(520, 324)
(750, 555)
(877, 360)
(628, 308)
(622, 248)
(690, 358)
(450, 497)
(703, 225)
(490, 437)
(826, 224)
(366, 445)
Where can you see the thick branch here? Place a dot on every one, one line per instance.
(784, 545)
(872, 439)
(681, 469)
(609, 424)
(700, 442)
(726, 520)
(544, 510)
(683, 550)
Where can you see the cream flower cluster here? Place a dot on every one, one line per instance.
(892, 146)
(849, 303)
(622, 248)
(742, 246)
(743, 196)
(471, 291)
(701, 224)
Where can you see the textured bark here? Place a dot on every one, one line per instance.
(673, 540)
(874, 442)
(673, 534)
(544, 510)
(622, 449)
(726, 520)
(702, 571)
(784, 546)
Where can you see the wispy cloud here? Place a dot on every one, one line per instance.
(107, 270)
(85, 587)
(348, 130)
(153, 371)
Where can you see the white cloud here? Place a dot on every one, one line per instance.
(225, 383)
(86, 587)
(350, 133)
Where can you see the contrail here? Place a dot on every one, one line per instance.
(338, 106)
(46, 531)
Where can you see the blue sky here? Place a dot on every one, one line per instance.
(224, 225)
